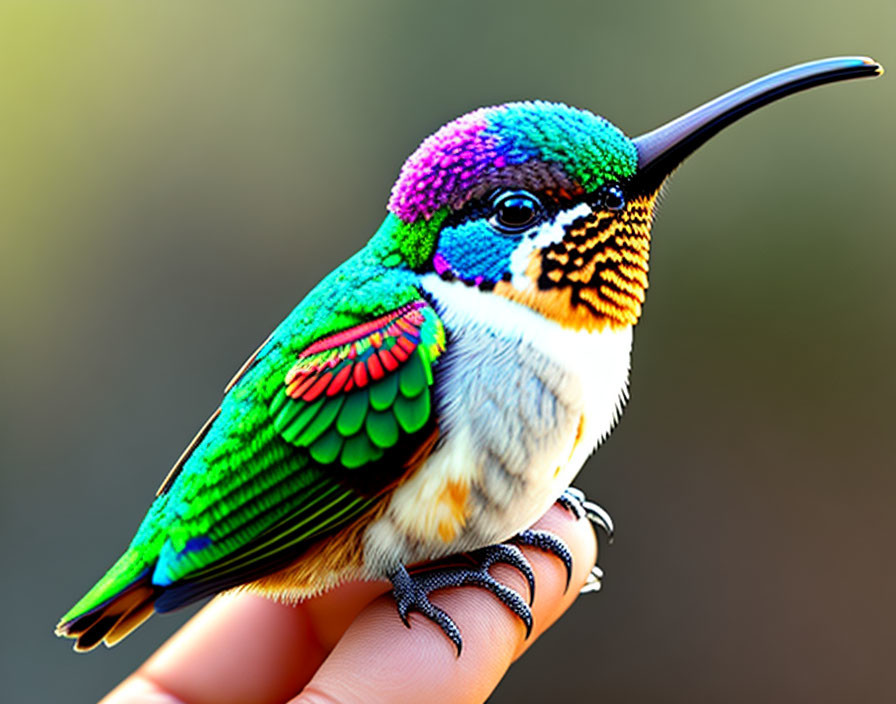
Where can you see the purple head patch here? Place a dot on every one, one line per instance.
(448, 162)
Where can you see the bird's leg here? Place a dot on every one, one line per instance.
(574, 501)
(412, 590)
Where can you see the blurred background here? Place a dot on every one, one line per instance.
(174, 177)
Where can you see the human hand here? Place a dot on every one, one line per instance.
(349, 645)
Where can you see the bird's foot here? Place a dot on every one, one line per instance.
(412, 590)
(574, 501)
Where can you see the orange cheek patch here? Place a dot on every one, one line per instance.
(596, 276)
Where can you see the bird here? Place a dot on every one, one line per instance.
(437, 392)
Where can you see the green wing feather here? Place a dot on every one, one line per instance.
(349, 396)
(265, 477)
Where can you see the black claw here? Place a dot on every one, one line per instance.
(574, 501)
(449, 628)
(599, 518)
(548, 542)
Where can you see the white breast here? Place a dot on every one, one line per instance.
(522, 403)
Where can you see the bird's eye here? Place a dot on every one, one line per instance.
(514, 211)
(613, 198)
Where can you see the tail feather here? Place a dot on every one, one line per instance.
(71, 629)
(112, 620)
(129, 622)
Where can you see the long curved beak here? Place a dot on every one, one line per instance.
(661, 150)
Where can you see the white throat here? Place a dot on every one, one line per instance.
(599, 360)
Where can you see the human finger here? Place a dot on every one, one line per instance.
(379, 660)
(245, 648)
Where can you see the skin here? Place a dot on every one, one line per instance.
(343, 646)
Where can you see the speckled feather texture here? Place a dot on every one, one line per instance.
(538, 145)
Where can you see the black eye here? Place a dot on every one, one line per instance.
(613, 198)
(514, 211)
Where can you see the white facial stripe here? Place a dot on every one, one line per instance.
(548, 233)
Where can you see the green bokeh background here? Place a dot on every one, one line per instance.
(175, 176)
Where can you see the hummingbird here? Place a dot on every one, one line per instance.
(437, 392)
